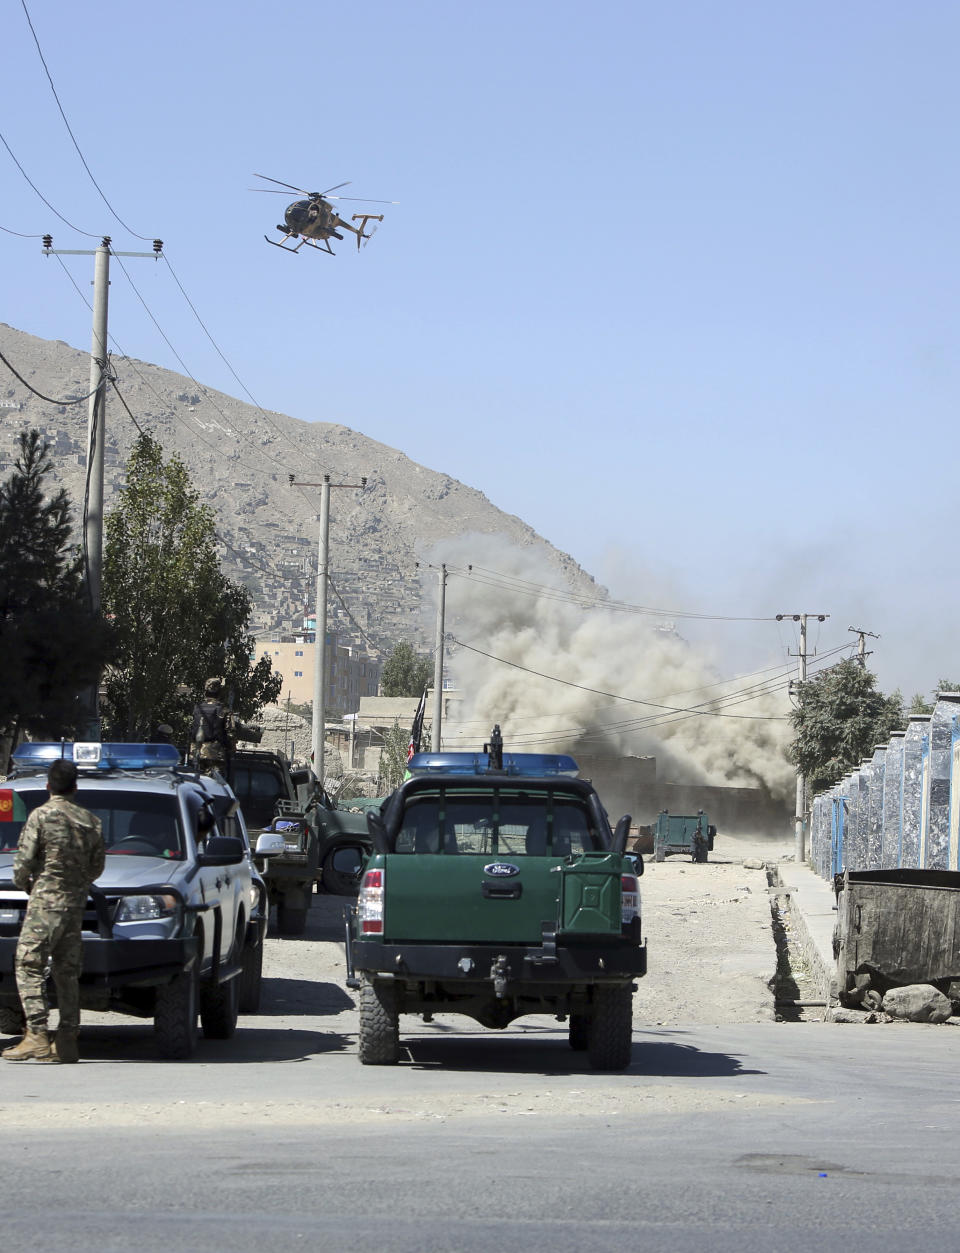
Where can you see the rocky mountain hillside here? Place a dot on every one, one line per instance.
(240, 458)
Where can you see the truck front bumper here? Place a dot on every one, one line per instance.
(115, 963)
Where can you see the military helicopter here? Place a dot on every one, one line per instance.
(316, 219)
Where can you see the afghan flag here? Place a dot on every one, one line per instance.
(12, 808)
(417, 730)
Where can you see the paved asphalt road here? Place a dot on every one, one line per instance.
(750, 1137)
(759, 1137)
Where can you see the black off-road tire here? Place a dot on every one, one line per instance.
(220, 1002)
(291, 921)
(219, 1005)
(12, 1021)
(250, 980)
(379, 1043)
(610, 1034)
(579, 1032)
(175, 1016)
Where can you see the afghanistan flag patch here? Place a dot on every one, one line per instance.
(12, 808)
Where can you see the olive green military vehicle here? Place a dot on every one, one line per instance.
(322, 844)
(495, 889)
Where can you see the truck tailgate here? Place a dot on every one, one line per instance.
(451, 897)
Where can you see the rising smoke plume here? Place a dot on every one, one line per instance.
(515, 606)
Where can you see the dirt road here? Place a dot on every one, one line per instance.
(708, 929)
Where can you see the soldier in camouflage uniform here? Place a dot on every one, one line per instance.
(212, 729)
(59, 854)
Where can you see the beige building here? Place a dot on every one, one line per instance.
(352, 672)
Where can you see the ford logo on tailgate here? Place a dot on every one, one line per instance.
(501, 869)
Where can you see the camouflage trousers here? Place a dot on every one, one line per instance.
(50, 935)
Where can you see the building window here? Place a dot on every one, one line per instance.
(298, 674)
(298, 653)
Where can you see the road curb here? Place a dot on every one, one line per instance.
(813, 915)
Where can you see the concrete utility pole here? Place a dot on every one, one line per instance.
(438, 662)
(799, 849)
(320, 635)
(862, 653)
(96, 427)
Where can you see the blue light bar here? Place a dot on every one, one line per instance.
(530, 764)
(98, 756)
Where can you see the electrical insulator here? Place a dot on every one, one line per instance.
(48, 241)
(158, 246)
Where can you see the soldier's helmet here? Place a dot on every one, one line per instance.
(213, 687)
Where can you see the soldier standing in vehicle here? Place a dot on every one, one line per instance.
(212, 725)
(59, 855)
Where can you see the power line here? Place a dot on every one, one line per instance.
(49, 399)
(19, 234)
(70, 129)
(494, 578)
(253, 400)
(127, 407)
(611, 695)
(652, 721)
(130, 361)
(56, 213)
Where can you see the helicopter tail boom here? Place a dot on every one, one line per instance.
(363, 219)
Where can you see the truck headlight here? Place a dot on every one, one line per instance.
(146, 908)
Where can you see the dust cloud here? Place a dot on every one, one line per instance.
(517, 618)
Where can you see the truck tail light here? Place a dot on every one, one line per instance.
(629, 898)
(370, 903)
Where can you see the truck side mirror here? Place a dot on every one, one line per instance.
(269, 844)
(378, 832)
(620, 835)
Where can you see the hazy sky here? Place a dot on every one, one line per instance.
(676, 283)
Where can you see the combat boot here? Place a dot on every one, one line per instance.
(34, 1047)
(65, 1046)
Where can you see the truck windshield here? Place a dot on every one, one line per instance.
(496, 822)
(136, 823)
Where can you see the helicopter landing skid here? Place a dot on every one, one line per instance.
(297, 247)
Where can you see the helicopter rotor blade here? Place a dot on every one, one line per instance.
(361, 199)
(282, 184)
(336, 188)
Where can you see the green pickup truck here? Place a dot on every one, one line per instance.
(495, 889)
(323, 845)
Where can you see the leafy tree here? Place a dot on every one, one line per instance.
(53, 646)
(920, 706)
(839, 718)
(177, 618)
(393, 755)
(405, 673)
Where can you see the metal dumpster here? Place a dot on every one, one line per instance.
(895, 927)
(682, 833)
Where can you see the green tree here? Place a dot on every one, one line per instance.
(920, 706)
(839, 718)
(405, 673)
(53, 646)
(177, 618)
(393, 755)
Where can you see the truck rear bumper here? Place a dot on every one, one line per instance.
(533, 964)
